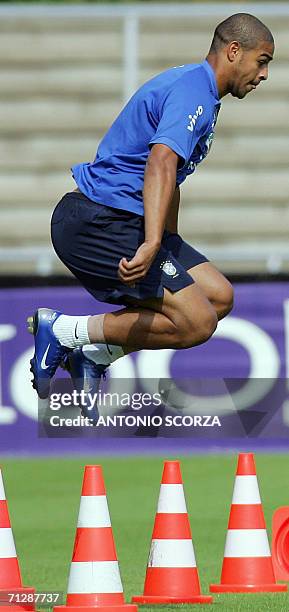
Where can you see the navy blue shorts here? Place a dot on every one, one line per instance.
(90, 239)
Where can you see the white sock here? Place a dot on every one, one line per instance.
(103, 354)
(71, 331)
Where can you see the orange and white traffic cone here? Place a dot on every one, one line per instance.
(280, 543)
(94, 583)
(247, 565)
(172, 575)
(12, 593)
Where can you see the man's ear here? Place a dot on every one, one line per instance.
(233, 50)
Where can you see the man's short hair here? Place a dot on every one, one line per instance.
(244, 28)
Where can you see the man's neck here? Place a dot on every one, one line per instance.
(221, 78)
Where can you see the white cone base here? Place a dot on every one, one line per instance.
(239, 588)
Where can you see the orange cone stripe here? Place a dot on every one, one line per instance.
(93, 483)
(94, 544)
(246, 465)
(95, 599)
(4, 515)
(245, 570)
(9, 574)
(172, 473)
(172, 582)
(172, 526)
(246, 517)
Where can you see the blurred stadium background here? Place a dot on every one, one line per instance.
(66, 71)
(65, 74)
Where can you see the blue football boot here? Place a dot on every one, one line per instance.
(48, 350)
(86, 376)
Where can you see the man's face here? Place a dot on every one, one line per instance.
(250, 68)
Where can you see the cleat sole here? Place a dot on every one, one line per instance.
(32, 323)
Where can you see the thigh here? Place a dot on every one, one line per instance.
(189, 302)
(212, 282)
(185, 254)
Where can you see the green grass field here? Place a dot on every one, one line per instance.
(43, 497)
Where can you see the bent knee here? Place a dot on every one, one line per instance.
(225, 300)
(193, 333)
(206, 326)
(228, 298)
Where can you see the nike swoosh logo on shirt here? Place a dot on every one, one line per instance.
(76, 336)
(43, 360)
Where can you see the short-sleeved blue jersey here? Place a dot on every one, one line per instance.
(178, 108)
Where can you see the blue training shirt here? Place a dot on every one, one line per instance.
(177, 108)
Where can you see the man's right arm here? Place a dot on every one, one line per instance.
(173, 214)
(158, 192)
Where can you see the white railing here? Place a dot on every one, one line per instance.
(274, 256)
(42, 258)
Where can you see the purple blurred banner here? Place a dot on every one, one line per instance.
(251, 345)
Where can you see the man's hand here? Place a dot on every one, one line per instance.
(134, 270)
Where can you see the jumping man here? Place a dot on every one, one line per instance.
(118, 231)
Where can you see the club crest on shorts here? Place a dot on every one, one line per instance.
(168, 268)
